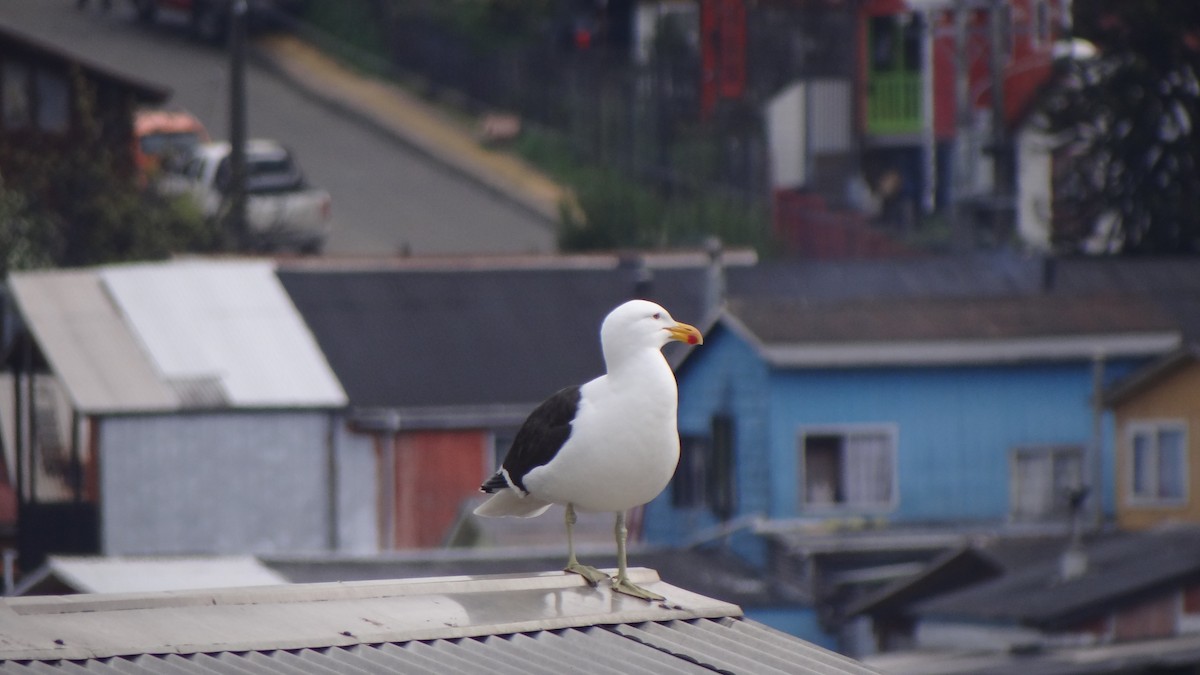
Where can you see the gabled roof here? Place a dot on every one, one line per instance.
(156, 337)
(1152, 373)
(945, 310)
(967, 276)
(127, 574)
(545, 623)
(88, 343)
(951, 330)
(1120, 569)
(15, 41)
(496, 337)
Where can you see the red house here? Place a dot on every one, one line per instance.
(912, 149)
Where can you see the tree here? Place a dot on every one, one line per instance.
(72, 205)
(1129, 120)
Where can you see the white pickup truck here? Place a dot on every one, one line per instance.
(282, 211)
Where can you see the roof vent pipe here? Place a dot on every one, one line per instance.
(1073, 563)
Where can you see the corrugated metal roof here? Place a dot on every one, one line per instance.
(88, 343)
(543, 623)
(1171, 655)
(1121, 569)
(225, 323)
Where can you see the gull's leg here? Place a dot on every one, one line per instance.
(591, 574)
(622, 584)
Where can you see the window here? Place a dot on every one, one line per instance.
(896, 43)
(691, 476)
(53, 109)
(31, 98)
(704, 477)
(1158, 459)
(18, 111)
(848, 468)
(1042, 479)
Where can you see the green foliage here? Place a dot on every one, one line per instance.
(619, 212)
(488, 23)
(25, 238)
(78, 204)
(1131, 122)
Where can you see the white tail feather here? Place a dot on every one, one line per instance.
(508, 502)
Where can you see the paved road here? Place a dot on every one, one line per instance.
(387, 197)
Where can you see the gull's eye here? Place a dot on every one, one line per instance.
(657, 315)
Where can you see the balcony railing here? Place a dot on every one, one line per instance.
(894, 103)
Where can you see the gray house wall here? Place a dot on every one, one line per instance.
(215, 483)
(358, 492)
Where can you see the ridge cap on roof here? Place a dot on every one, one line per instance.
(606, 260)
(330, 614)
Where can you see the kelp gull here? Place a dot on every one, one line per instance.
(608, 445)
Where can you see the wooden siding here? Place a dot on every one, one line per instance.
(955, 426)
(955, 429)
(1148, 620)
(1173, 398)
(729, 379)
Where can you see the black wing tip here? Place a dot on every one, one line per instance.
(494, 484)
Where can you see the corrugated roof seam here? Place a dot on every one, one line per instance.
(693, 646)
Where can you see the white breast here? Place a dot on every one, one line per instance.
(624, 443)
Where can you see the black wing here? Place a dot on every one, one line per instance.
(538, 439)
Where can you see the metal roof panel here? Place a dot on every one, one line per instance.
(541, 623)
(87, 343)
(228, 321)
(120, 574)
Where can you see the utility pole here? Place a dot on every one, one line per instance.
(962, 232)
(235, 223)
(1000, 42)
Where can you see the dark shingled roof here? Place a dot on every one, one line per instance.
(1172, 284)
(404, 337)
(15, 41)
(1120, 569)
(949, 318)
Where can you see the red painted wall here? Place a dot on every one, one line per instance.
(435, 472)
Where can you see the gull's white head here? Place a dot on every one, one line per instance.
(640, 324)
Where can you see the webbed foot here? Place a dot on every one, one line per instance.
(591, 574)
(622, 584)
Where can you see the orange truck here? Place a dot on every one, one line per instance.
(164, 136)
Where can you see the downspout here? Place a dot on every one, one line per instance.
(1096, 501)
(19, 430)
(928, 133)
(332, 476)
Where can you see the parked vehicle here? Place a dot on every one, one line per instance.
(282, 211)
(209, 19)
(164, 136)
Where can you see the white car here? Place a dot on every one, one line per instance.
(282, 210)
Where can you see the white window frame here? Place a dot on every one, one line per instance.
(1050, 450)
(890, 431)
(1153, 428)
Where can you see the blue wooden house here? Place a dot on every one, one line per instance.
(939, 411)
(853, 438)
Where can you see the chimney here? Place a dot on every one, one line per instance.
(1074, 563)
(642, 275)
(715, 282)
